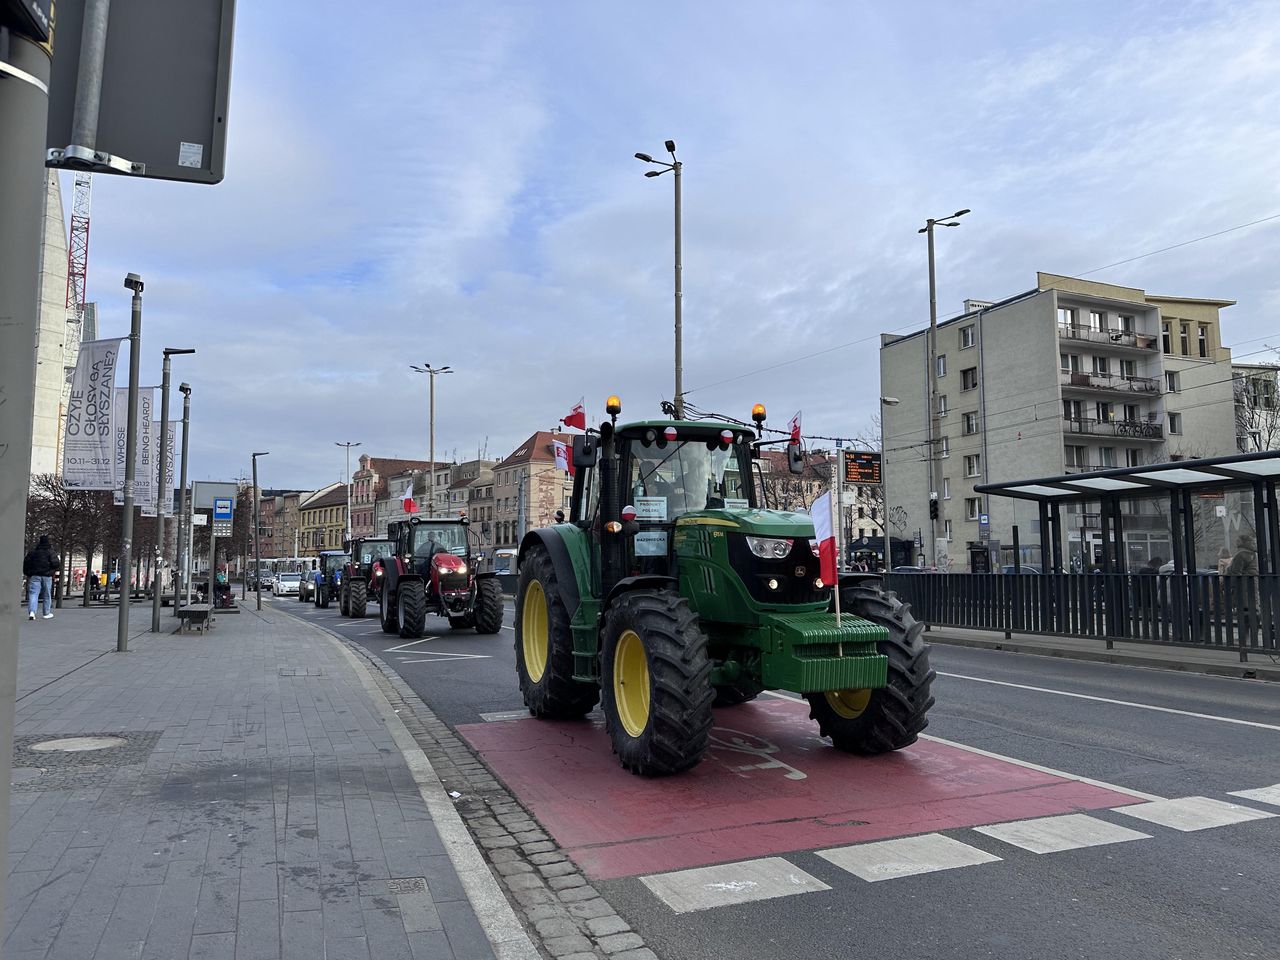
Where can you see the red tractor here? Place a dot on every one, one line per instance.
(430, 570)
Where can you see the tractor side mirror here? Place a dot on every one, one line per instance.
(795, 458)
(586, 451)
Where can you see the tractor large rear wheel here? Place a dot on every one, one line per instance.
(544, 645)
(388, 611)
(322, 596)
(873, 721)
(488, 609)
(357, 599)
(411, 600)
(656, 683)
(342, 601)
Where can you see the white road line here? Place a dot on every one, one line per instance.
(440, 657)
(1121, 703)
(500, 715)
(1055, 834)
(906, 857)
(370, 633)
(726, 884)
(1269, 794)
(1193, 813)
(1007, 759)
(411, 643)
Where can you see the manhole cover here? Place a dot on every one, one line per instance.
(78, 744)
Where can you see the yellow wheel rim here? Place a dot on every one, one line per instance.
(631, 683)
(535, 626)
(849, 704)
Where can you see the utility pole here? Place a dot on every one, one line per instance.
(675, 167)
(164, 492)
(184, 522)
(133, 282)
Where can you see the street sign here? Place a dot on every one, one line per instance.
(204, 492)
(166, 77)
(862, 466)
(222, 516)
(199, 520)
(984, 526)
(30, 17)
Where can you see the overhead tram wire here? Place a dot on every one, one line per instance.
(955, 316)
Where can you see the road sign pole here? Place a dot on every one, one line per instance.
(134, 283)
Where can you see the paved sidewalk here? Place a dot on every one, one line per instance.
(262, 805)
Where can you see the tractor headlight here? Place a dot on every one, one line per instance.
(462, 568)
(769, 548)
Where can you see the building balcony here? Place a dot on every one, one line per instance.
(1123, 339)
(1122, 429)
(1110, 383)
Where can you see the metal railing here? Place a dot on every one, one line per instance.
(1204, 610)
(1128, 429)
(1115, 338)
(1109, 381)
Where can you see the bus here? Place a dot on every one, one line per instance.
(504, 560)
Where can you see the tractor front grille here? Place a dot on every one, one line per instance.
(794, 575)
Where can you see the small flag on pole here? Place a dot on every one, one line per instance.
(577, 416)
(824, 531)
(564, 460)
(794, 427)
(406, 498)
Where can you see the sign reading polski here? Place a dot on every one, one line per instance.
(87, 457)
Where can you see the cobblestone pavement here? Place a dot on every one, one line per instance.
(260, 806)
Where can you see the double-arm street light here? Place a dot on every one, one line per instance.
(431, 450)
(935, 427)
(348, 444)
(884, 483)
(164, 491)
(674, 167)
(257, 538)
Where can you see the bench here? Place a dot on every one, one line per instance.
(193, 614)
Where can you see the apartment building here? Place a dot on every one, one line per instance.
(369, 484)
(528, 490)
(1071, 376)
(1257, 393)
(323, 519)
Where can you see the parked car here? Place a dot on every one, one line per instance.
(286, 583)
(1026, 568)
(905, 569)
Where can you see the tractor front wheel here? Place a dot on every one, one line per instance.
(322, 596)
(357, 599)
(488, 609)
(656, 683)
(411, 600)
(387, 612)
(544, 645)
(872, 721)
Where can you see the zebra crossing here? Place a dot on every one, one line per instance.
(704, 888)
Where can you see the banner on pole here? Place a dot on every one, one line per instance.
(144, 464)
(87, 457)
(165, 494)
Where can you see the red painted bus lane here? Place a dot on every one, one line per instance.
(768, 785)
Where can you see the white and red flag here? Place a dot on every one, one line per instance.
(577, 416)
(564, 459)
(824, 531)
(406, 498)
(794, 427)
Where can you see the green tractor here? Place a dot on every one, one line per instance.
(672, 589)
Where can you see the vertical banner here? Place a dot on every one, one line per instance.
(166, 487)
(119, 440)
(144, 461)
(87, 456)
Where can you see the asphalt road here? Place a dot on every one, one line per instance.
(1207, 893)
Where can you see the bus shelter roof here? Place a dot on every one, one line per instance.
(1239, 471)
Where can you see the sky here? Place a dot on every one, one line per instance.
(455, 183)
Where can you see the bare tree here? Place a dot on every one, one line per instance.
(1258, 408)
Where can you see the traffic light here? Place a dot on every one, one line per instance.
(933, 509)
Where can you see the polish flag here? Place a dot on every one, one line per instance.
(406, 498)
(577, 416)
(794, 427)
(825, 533)
(564, 460)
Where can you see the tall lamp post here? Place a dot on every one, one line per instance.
(184, 523)
(347, 480)
(133, 282)
(257, 540)
(164, 489)
(431, 451)
(675, 167)
(884, 484)
(935, 427)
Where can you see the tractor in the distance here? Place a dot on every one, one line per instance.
(673, 588)
(353, 595)
(429, 569)
(327, 577)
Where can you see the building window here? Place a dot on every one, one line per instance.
(1184, 339)
(1101, 367)
(1075, 456)
(1126, 323)
(944, 448)
(972, 464)
(1133, 457)
(942, 364)
(967, 337)
(970, 423)
(969, 378)
(1175, 423)
(1171, 381)
(1102, 410)
(942, 405)
(1132, 412)
(972, 507)
(862, 511)
(1066, 317)
(1097, 320)
(1128, 369)
(1166, 339)
(1070, 362)
(946, 530)
(1203, 341)
(1107, 456)
(946, 488)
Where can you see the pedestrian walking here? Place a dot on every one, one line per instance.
(38, 567)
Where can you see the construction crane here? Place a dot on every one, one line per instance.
(77, 276)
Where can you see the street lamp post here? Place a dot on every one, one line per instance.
(347, 481)
(133, 282)
(164, 489)
(884, 484)
(935, 427)
(257, 540)
(675, 167)
(431, 452)
(184, 523)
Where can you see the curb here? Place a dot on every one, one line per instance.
(1250, 670)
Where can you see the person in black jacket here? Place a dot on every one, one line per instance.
(38, 567)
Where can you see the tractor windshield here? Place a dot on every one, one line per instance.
(430, 539)
(333, 561)
(670, 479)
